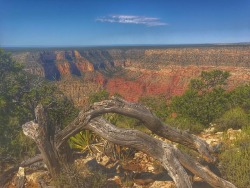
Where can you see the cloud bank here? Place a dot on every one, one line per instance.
(130, 19)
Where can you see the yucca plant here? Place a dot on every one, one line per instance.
(85, 141)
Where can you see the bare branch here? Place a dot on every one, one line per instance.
(159, 150)
(171, 158)
(140, 112)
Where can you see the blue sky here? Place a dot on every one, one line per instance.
(118, 22)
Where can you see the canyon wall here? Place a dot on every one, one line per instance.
(134, 72)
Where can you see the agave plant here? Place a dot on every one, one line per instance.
(85, 141)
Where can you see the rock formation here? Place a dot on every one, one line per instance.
(134, 72)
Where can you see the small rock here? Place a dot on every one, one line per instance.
(104, 160)
(20, 172)
(212, 141)
(137, 155)
(20, 178)
(219, 133)
(165, 184)
(231, 131)
(34, 176)
(232, 134)
(151, 168)
(209, 130)
(117, 180)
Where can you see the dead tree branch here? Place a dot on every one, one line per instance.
(140, 112)
(171, 158)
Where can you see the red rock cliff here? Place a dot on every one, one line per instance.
(134, 72)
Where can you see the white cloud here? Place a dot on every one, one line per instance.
(130, 19)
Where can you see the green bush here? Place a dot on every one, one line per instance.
(185, 123)
(203, 108)
(235, 160)
(157, 104)
(235, 118)
(98, 96)
(20, 93)
(205, 100)
(240, 96)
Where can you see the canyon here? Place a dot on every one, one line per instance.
(133, 72)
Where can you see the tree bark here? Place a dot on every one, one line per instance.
(171, 158)
(159, 150)
(39, 132)
(201, 171)
(140, 112)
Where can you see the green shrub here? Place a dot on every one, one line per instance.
(205, 100)
(98, 96)
(235, 160)
(20, 93)
(240, 96)
(126, 122)
(157, 104)
(234, 118)
(184, 123)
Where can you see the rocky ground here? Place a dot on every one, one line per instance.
(140, 171)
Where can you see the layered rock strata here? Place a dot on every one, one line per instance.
(134, 72)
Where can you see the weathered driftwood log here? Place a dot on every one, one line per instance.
(158, 149)
(140, 112)
(171, 157)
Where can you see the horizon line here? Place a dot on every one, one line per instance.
(122, 45)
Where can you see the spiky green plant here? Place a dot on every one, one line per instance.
(85, 141)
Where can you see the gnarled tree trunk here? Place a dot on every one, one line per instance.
(140, 112)
(49, 154)
(171, 158)
(41, 132)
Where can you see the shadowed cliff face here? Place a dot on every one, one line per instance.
(135, 72)
(64, 63)
(55, 64)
